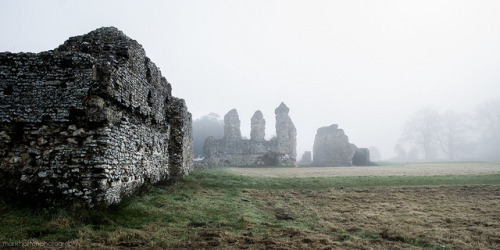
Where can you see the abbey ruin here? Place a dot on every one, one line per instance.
(89, 122)
(332, 149)
(235, 151)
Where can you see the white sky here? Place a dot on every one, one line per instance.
(365, 65)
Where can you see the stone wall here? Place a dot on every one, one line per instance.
(306, 157)
(332, 149)
(89, 122)
(232, 150)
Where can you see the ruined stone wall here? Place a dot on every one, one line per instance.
(232, 150)
(362, 157)
(332, 149)
(89, 122)
(306, 157)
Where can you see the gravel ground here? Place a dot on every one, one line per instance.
(420, 169)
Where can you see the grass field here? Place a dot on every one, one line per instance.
(385, 169)
(216, 208)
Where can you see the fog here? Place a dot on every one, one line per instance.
(367, 66)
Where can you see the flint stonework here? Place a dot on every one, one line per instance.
(89, 122)
(232, 150)
(258, 129)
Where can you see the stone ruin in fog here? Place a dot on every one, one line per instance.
(332, 149)
(306, 157)
(232, 150)
(89, 122)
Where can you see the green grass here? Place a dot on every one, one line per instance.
(208, 206)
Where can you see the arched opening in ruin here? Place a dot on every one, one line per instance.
(269, 159)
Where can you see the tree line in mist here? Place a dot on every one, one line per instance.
(430, 135)
(209, 125)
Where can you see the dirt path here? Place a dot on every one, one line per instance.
(422, 169)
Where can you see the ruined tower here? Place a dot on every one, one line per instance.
(232, 150)
(286, 134)
(232, 126)
(258, 129)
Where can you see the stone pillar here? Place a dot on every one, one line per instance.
(232, 126)
(286, 134)
(258, 130)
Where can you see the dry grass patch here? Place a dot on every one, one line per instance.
(429, 217)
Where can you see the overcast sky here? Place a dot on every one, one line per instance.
(364, 65)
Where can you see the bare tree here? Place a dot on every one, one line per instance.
(374, 153)
(423, 130)
(401, 154)
(453, 134)
(413, 154)
(488, 119)
(209, 125)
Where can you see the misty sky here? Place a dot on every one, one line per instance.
(365, 65)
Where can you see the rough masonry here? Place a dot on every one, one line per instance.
(89, 122)
(232, 150)
(332, 149)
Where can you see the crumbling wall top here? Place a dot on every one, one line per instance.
(282, 109)
(117, 55)
(105, 43)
